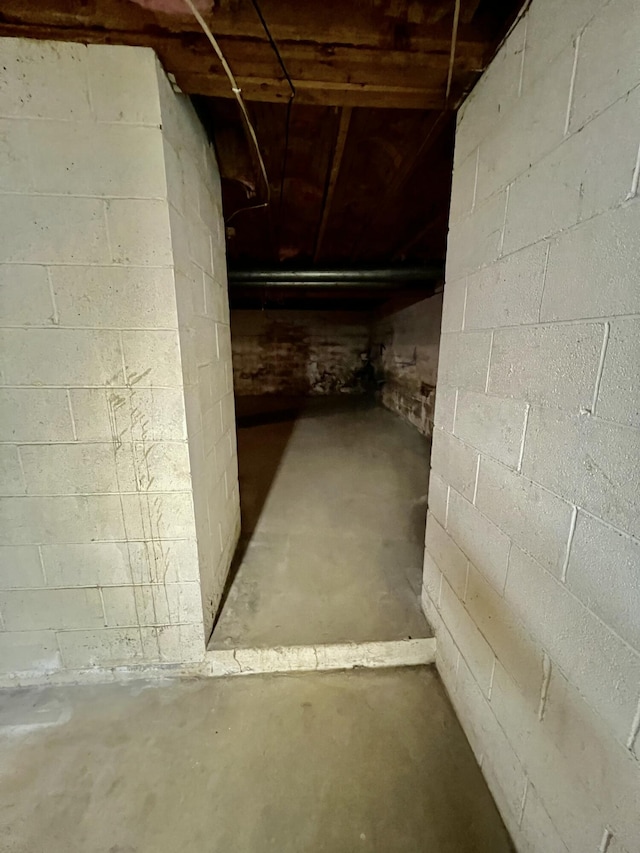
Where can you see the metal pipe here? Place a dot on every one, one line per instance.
(376, 277)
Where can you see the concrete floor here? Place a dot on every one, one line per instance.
(335, 762)
(333, 496)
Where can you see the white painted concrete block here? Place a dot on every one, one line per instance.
(15, 173)
(553, 365)
(464, 359)
(530, 216)
(507, 293)
(536, 520)
(170, 603)
(34, 414)
(484, 544)
(604, 669)
(607, 60)
(152, 358)
(455, 462)
(37, 609)
(85, 158)
(65, 469)
(52, 230)
(537, 829)
(513, 646)
(174, 643)
(164, 515)
(437, 499)
(619, 392)
(120, 563)
(492, 98)
(123, 84)
(28, 651)
(11, 479)
(108, 414)
(535, 126)
(473, 647)
(431, 581)
(593, 268)
(119, 604)
(463, 186)
(603, 573)
(40, 79)
(139, 232)
(453, 306)
(25, 297)
(61, 357)
(114, 297)
(447, 556)
(587, 461)
(551, 27)
(445, 407)
(477, 239)
(20, 567)
(108, 647)
(608, 773)
(37, 520)
(493, 425)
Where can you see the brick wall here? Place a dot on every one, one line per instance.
(406, 344)
(299, 352)
(532, 561)
(99, 544)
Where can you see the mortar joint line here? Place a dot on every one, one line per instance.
(544, 279)
(524, 800)
(524, 434)
(544, 687)
(42, 568)
(486, 384)
(475, 180)
(475, 485)
(572, 530)
(464, 306)
(504, 221)
(603, 353)
(572, 83)
(71, 415)
(493, 672)
(635, 178)
(524, 50)
(607, 838)
(635, 728)
(55, 317)
(455, 412)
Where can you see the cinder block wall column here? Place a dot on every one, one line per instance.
(532, 564)
(99, 545)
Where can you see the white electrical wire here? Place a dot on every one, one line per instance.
(454, 37)
(237, 91)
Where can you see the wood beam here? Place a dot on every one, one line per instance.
(336, 162)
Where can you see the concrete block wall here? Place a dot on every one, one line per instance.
(532, 561)
(299, 352)
(406, 342)
(99, 543)
(200, 269)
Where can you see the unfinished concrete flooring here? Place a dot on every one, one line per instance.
(332, 762)
(333, 496)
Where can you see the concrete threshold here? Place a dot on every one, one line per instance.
(318, 658)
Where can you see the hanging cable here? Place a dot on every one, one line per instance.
(237, 91)
(287, 124)
(454, 38)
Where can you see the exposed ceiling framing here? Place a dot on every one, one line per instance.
(359, 166)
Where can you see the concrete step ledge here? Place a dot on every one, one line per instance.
(420, 652)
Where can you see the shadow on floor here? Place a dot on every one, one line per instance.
(333, 497)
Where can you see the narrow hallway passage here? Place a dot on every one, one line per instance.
(333, 494)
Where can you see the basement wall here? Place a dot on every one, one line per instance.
(300, 352)
(531, 575)
(99, 543)
(200, 271)
(406, 344)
